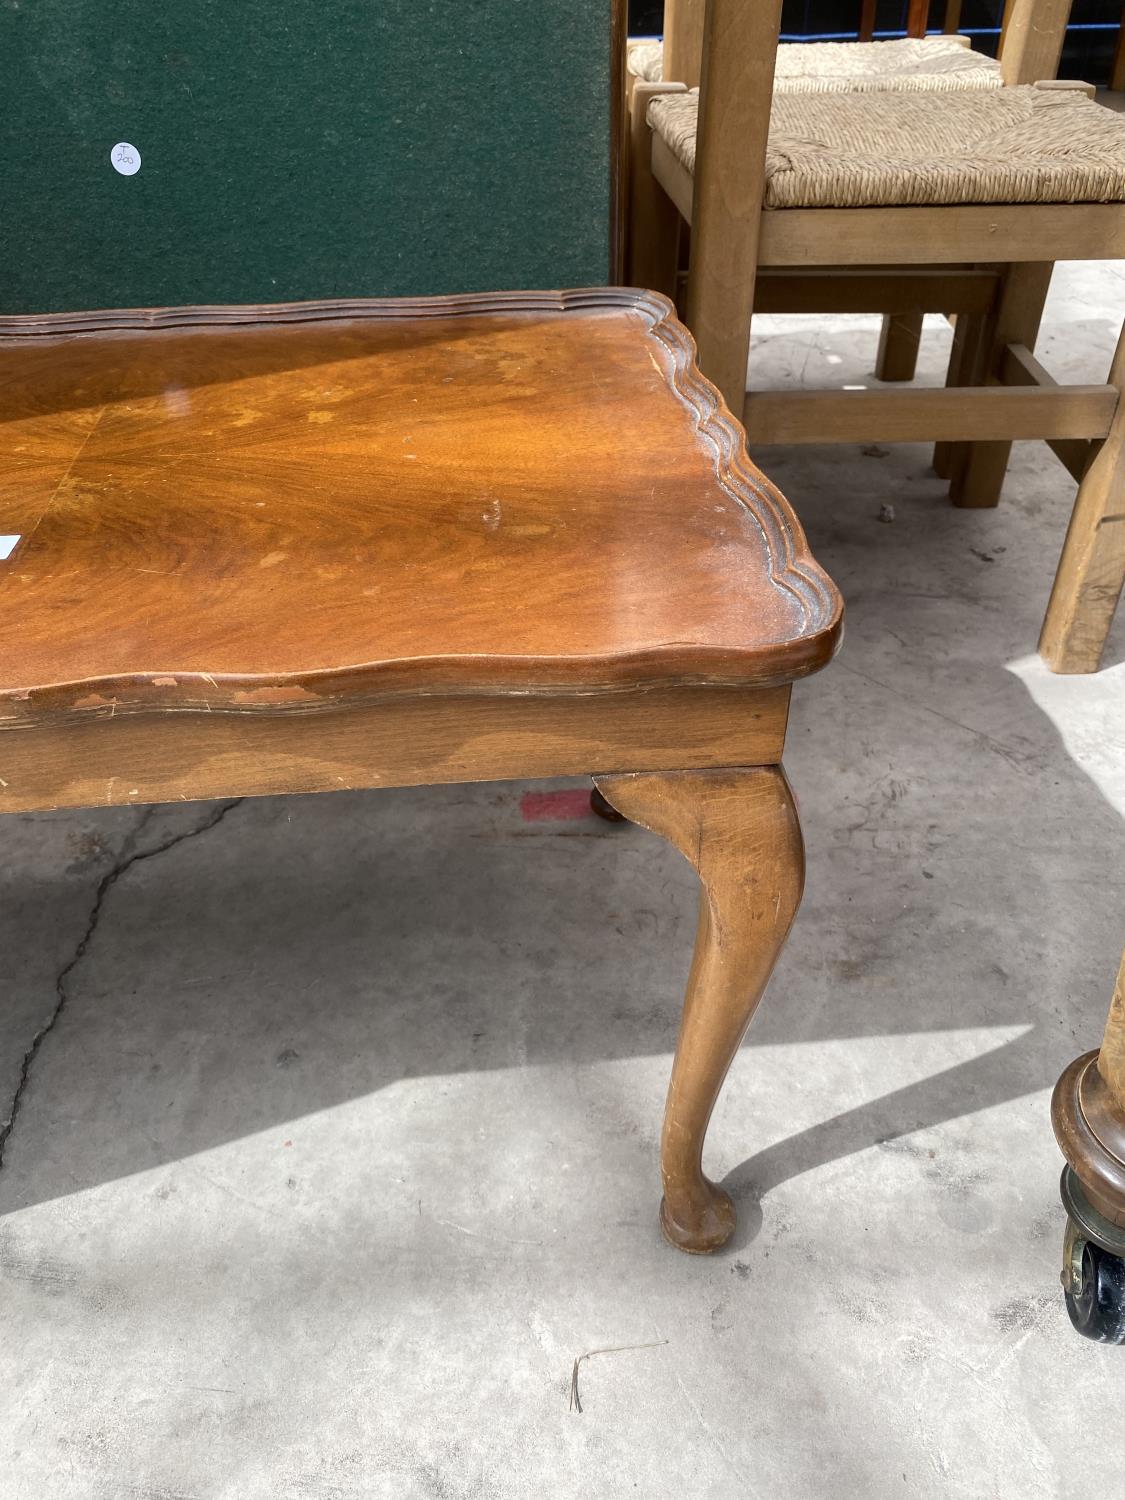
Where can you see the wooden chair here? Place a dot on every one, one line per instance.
(655, 68)
(843, 231)
(1088, 1112)
(366, 544)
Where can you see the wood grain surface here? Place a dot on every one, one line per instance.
(292, 509)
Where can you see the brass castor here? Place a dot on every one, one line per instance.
(1090, 1127)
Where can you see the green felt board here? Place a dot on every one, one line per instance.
(293, 149)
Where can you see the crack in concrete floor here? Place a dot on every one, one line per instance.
(130, 855)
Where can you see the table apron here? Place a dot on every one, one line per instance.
(183, 756)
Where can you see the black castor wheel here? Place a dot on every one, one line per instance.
(1093, 1274)
(605, 809)
(1094, 1287)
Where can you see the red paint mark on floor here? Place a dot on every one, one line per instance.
(554, 807)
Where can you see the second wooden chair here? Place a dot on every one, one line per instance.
(943, 202)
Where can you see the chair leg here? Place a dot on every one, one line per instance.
(969, 331)
(654, 238)
(740, 830)
(729, 189)
(898, 346)
(1091, 570)
(652, 241)
(976, 484)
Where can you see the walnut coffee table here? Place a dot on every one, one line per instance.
(364, 544)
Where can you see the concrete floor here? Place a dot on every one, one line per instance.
(343, 1144)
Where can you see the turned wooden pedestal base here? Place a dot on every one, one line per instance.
(1088, 1113)
(299, 549)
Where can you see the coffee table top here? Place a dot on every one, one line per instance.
(285, 508)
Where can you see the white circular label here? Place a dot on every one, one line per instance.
(126, 159)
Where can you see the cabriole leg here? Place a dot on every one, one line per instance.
(740, 831)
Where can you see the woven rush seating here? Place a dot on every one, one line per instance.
(937, 64)
(645, 60)
(912, 64)
(1012, 145)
